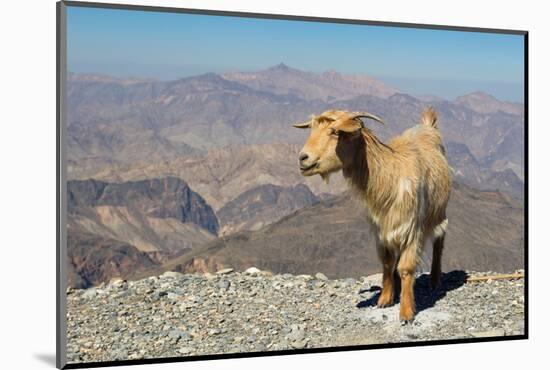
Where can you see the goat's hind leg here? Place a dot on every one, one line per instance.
(388, 261)
(435, 273)
(439, 240)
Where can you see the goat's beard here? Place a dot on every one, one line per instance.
(325, 176)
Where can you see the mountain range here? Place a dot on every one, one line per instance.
(485, 233)
(113, 122)
(202, 172)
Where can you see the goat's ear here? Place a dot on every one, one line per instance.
(348, 125)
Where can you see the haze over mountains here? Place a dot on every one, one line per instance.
(222, 146)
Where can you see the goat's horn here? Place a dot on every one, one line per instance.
(368, 115)
(303, 125)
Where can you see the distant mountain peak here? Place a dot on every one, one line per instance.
(282, 79)
(483, 102)
(280, 67)
(477, 94)
(103, 78)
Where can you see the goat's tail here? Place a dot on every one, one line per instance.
(429, 118)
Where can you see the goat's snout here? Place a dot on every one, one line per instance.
(307, 162)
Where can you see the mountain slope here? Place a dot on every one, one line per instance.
(333, 236)
(468, 170)
(115, 229)
(93, 259)
(168, 197)
(484, 103)
(263, 205)
(222, 174)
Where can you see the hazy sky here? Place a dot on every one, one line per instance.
(170, 46)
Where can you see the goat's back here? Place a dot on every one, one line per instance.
(421, 148)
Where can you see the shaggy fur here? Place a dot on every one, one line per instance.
(405, 186)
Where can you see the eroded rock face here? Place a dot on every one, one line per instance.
(167, 197)
(263, 205)
(93, 259)
(123, 229)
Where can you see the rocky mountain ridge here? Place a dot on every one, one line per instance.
(122, 228)
(333, 236)
(329, 85)
(263, 205)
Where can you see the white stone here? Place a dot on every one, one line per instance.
(172, 274)
(224, 271)
(252, 271)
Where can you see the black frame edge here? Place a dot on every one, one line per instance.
(61, 74)
(526, 180)
(289, 17)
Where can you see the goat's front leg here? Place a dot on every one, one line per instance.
(388, 261)
(407, 268)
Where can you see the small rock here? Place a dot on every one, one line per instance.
(214, 331)
(178, 334)
(224, 284)
(172, 275)
(159, 294)
(321, 276)
(90, 293)
(173, 296)
(184, 350)
(348, 282)
(225, 271)
(116, 281)
(319, 284)
(296, 333)
(252, 271)
(298, 344)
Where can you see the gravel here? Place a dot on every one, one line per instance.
(231, 312)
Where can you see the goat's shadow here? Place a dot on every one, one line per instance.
(425, 296)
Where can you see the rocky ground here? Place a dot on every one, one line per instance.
(229, 312)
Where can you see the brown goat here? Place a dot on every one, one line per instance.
(405, 185)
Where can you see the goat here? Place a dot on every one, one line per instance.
(405, 186)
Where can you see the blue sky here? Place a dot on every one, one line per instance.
(169, 46)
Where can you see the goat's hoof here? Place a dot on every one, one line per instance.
(384, 302)
(406, 315)
(406, 322)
